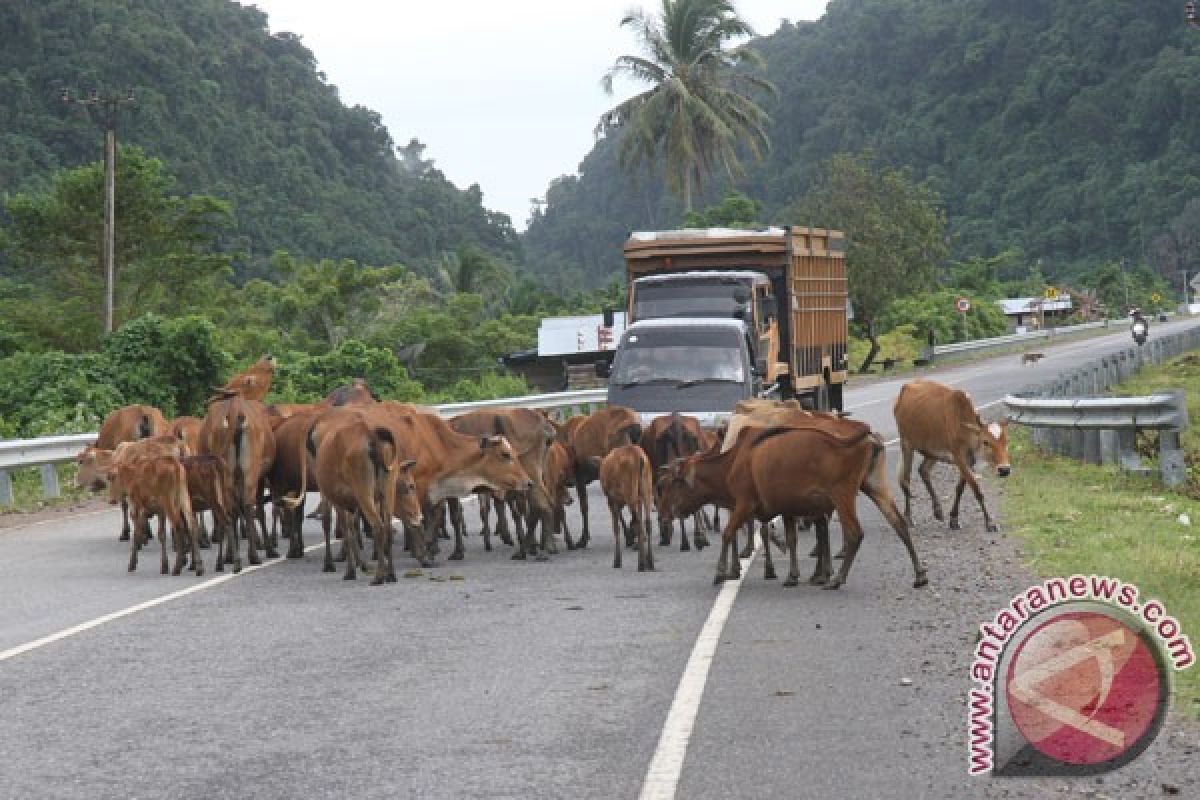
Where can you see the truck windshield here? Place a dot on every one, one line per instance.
(680, 357)
(679, 299)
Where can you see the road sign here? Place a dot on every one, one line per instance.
(963, 305)
(1156, 297)
(1051, 293)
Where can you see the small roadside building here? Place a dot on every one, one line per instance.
(1031, 313)
(568, 348)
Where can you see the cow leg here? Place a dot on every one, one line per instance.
(328, 566)
(417, 539)
(345, 523)
(586, 535)
(645, 551)
(276, 519)
(789, 528)
(852, 534)
(768, 564)
(967, 478)
(164, 566)
(260, 510)
(133, 540)
(926, 473)
(749, 546)
(197, 561)
(737, 518)
(616, 525)
(905, 477)
(666, 529)
(887, 507)
(124, 537)
(541, 512)
(703, 525)
(823, 570)
(454, 508)
(502, 530)
(179, 543)
(293, 530)
(485, 519)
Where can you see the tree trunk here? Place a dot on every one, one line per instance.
(874, 351)
(687, 192)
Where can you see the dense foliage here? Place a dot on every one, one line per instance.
(1067, 131)
(238, 113)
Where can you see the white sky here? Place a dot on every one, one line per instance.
(503, 94)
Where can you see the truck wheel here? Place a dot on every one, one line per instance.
(835, 397)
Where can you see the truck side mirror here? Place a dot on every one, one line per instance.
(760, 367)
(770, 307)
(603, 369)
(609, 317)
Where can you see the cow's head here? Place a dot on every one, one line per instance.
(992, 443)
(675, 488)
(408, 501)
(499, 468)
(93, 468)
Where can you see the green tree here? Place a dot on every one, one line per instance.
(895, 227)
(736, 210)
(700, 106)
(167, 252)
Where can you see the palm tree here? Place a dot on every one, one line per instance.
(699, 107)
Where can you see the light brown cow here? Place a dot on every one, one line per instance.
(238, 431)
(530, 434)
(287, 476)
(558, 475)
(157, 486)
(942, 424)
(591, 439)
(95, 465)
(127, 424)
(793, 472)
(628, 482)
(359, 471)
(252, 384)
(448, 464)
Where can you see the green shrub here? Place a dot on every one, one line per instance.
(301, 378)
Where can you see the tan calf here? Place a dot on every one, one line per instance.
(157, 487)
(942, 425)
(627, 482)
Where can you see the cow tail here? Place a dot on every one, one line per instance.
(184, 500)
(676, 437)
(239, 474)
(382, 466)
(310, 449)
(633, 433)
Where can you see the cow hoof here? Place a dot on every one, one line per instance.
(768, 575)
(429, 563)
(954, 526)
(701, 543)
(164, 571)
(663, 541)
(518, 556)
(684, 547)
(833, 584)
(272, 553)
(841, 553)
(816, 551)
(176, 572)
(237, 567)
(455, 556)
(718, 579)
(199, 572)
(993, 527)
(920, 581)
(391, 577)
(642, 568)
(616, 565)
(376, 581)
(219, 567)
(938, 515)
(132, 568)
(349, 576)
(791, 580)
(541, 557)
(293, 553)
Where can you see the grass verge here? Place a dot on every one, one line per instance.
(1077, 518)
(27, 490)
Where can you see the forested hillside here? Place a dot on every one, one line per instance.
(1069, 132)
(236, 113)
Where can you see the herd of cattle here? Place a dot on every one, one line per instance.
(375, 461)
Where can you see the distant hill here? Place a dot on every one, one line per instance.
(1068, 130)
(235, 112)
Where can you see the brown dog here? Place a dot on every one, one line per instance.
(1031, 358)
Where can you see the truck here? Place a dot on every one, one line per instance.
(698, 366)
(785, 285)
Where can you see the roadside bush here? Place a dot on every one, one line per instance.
(936, 310)
(301, 378)
(170, 364)
(41, 391)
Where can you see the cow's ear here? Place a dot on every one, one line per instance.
(407, 465)
(689, 477)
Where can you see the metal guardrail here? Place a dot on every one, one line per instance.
(976, 345)
(48, 451)
(1068, 416)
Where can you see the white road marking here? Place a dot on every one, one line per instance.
(125, 612)
(56, 520)
(662, 777)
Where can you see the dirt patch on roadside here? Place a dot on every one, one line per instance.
(13, 520)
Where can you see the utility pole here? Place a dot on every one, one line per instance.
(107, 107)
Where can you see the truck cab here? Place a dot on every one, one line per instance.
(743, 295)
(697, 366)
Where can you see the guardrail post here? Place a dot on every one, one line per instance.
(50, 480)
(1109, 450)
(1127, 450)
(6, 494)
(1170, 458)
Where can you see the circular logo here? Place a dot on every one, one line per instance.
(963, 304)
(1086, 688)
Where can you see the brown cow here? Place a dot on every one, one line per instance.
(942, 424)
(558, 476)
(127, 424)
(208, 485)
(591, 439)
(187, 430)
(95, 466)
(665, 439)
(448, 464)
(359, 472)
(252, 384)
(530, 434)
(358, 393)
(157, 486)
(238, 431)
(628, 482)
(794, 472)
(287, 476)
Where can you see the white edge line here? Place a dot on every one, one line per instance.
(666, 766)
(157, 601)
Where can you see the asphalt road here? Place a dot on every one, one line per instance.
(502, 679)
